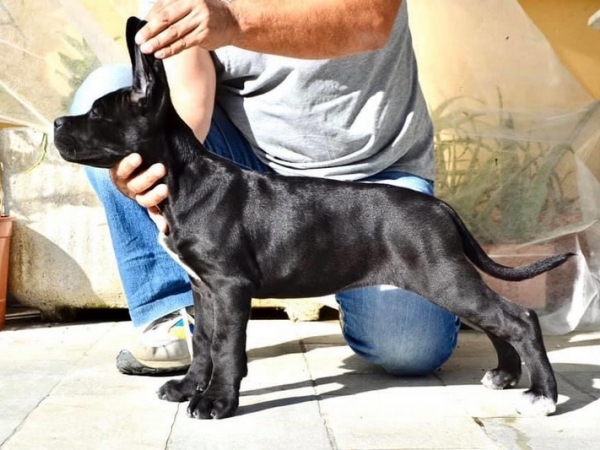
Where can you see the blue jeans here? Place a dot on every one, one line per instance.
(388, 326)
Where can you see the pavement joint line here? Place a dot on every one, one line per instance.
(72, 367)
(86, 352)
(328, 430)
(479, 422)
(172, 427)
(22, 423)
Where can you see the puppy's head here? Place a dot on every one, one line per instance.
(122, 122)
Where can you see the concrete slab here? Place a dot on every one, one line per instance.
(133, 421)
(401, 432)
(14, 412)
(550, 433)
(276, 420)
(59, 388)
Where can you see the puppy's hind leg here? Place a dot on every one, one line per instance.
(520, 328)
(540, 399)
(470, 298)
(508, 371)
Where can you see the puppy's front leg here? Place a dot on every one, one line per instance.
(198, 375)
(229, 364)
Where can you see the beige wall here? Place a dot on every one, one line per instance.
(564, 23)
(111, 14)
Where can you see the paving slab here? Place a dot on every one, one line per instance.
(402, 432)
(109, 421)
(550, 433)
(305, 390)
(276, 420)
(51, 343)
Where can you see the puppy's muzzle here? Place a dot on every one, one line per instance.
(63, 140)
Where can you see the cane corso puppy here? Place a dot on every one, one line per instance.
(242, 234)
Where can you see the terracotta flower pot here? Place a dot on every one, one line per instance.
(531, 293)
(6, 223)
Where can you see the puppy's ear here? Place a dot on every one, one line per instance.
(148, 72)
(133, 25)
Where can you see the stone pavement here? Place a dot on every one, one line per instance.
(59, 389)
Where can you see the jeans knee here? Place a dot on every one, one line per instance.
(397, 330)
(101, 81)
(409, 357)
(422, 360)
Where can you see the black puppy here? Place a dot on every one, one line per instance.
(242, 234)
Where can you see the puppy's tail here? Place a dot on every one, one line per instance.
(480, 258)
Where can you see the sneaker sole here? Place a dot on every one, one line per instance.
(127, 364)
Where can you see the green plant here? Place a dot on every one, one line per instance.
(508, 186)
(77, 68)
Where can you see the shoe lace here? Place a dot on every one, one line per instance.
(187, 320)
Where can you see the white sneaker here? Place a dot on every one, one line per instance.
(163, 347)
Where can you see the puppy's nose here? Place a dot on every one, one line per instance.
(59, 122)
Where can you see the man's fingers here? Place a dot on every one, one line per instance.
(153, 197)
(139, 186)
(145, 180)
(133, 185)
(172, 41)
(163, 27)
(126, 167)
(157, 20)
(122, 172)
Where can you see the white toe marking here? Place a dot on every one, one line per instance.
(487, 381)
(535, 406)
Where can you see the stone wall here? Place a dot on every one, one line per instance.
(61, 255)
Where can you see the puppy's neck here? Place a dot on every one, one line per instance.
(184, 149)
(192, 171)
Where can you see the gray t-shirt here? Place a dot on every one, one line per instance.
(344, 118)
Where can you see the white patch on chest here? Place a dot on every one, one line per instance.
(163, 241)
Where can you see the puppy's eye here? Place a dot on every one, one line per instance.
(95, 113)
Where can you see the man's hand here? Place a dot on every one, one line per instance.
(138, 186)
(174, 25)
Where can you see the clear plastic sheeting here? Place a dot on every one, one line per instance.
(517, 141)
(48, 47)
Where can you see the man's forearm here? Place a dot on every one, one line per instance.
(313, 28)
(191, 76)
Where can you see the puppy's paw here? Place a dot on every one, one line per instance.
(177, 390)
(499, 379)
(214, 403)
(534, 404)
